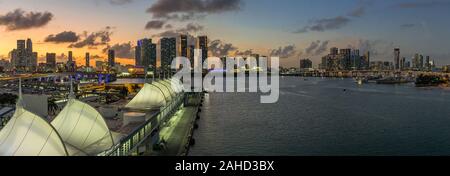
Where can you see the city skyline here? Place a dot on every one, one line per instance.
(287, 29)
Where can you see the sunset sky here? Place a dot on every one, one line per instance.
(291, 29)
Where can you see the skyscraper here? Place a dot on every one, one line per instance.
(168, 51)
(334, 51)
(428, 63)
(31, 57)
(111, 58)
(87, 58)
(70, 62)
(421, 62)
(415, 61)
(70, 57)
(51, 60)
(397, 58)
(23, 58)
(148, 53)
(29, 46)
(183, 46)
(137, 52)
(191, 54)
(203, 46)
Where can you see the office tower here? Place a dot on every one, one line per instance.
(403, 63)
(51, 60)
(191, 54)
(334, 51)
(397, 58)
(168, 51)
(88, 59)
(137, 52)
(70, 57)
(23, 58)
(111, 58)
(20, 55)
(148, 53)
(428, 63)
(183, 46)
(29, 46)
(367, 59)
(70, 62)
(305, 63)
(421, 62)
(415, 61)
(345, 59)
(203, 46)
(31, 57)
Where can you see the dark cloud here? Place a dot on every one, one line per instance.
(63, 37)
(423, 4)
(284, 52)
(19, 19)
(120, 2)
(94, 39)
(167, 8)
(244, 53)
(219, 48)
(322, 48)
(313, 46)
(316, 48)
(155, 24)
(325, 24)
(358, 12)
(184, 17)
(124, 50)
(190, 28)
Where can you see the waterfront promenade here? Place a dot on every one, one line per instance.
(178, 133)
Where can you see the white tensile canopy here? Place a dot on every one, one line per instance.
(148, 98)
(83, 128)
(167, 90)
(176, 84)
(27, 134)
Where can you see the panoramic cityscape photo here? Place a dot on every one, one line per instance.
(224, 78)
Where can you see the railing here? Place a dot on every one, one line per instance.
(4, 119)
(130, 143)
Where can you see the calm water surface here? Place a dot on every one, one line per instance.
(316, 117)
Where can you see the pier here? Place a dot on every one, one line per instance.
(165, 128)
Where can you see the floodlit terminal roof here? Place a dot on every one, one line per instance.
(83, 128)
(27, 134)
(155, 95)
(167, 90)
(176, 85)
(148, 98)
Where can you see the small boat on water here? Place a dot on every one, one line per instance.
(361, 80)
(431, 81)
(393, 80)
